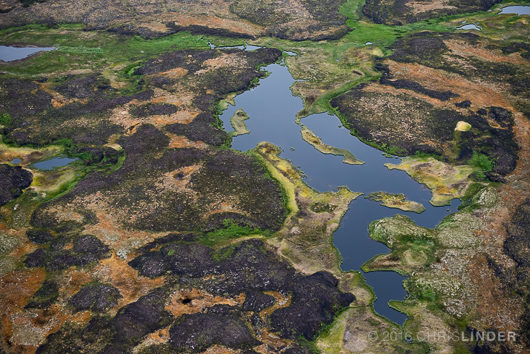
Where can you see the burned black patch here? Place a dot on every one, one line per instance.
(398, 12)
(85, 249)
(202, 128)
(197, 332)
(96, 297)
(13, 180)
(151, 109)
(84, 86)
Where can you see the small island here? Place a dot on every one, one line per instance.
(318, 144)
(398, 201)
(238, 123)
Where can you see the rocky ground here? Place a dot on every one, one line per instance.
(159, 238)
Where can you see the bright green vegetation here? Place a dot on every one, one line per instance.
(481, 161)
(5, 119)
(331, 68)
(411, 245)
(384, 35)
(238, 123)
(230, 231)
(95, 50)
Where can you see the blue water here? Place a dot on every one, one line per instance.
(519, 10)
(246, 47)
(15, 53)
(16, 161)
(53, 163)
(469, 27)
(272, 110)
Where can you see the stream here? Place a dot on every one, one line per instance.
(272, 109)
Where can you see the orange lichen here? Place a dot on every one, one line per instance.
(188, 301)
(179, 141)
(174, 73)
(481, 94)
(132, 286)
(464, 49)
(15, 290)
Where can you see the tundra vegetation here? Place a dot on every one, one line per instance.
(161, 238)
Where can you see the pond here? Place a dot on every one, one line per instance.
(518, 10)
(52, 163)
(272, 110)
(9, 53)
(469, 27)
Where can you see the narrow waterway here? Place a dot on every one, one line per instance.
(272, 110)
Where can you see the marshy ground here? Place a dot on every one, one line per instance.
(160, 238)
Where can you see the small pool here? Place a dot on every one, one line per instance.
(53, 163)
(9, 53)
(518, 10)
(469, 27)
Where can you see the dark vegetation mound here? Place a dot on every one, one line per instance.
(517, 246)
(45, 296)
(34, 121)
(202, 128)
(86, 249)
(403, 124)
(198, 331)
(183, 203)
(151, 109)
(39, 236)
(113, 335)
(224, 173)
(83, 86)
(247, 267)
(316, 300)
(12, 181)
(95, 297)
(22, 98)
(399, 12)
(251, 268)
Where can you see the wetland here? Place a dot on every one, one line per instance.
(180, 180)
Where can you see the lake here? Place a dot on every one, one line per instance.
(272, 110)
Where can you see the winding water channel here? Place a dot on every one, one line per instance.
(272, 110)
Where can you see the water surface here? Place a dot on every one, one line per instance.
(8, 53)
(518, 10)
(272, 110)
(469, 27)
(53, 163)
